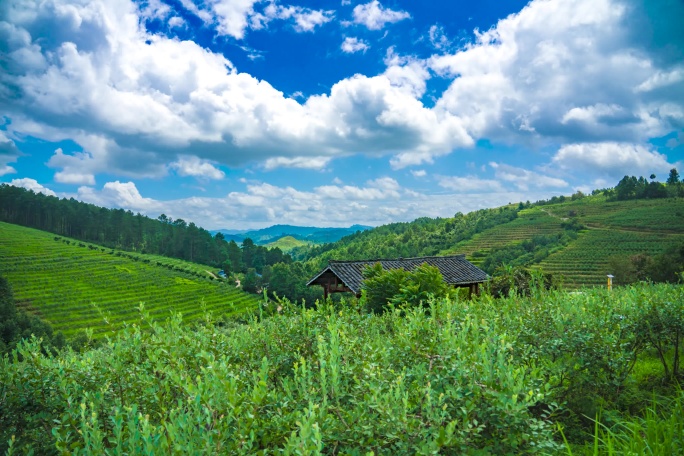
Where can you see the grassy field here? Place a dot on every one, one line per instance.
(75, 285)
(287, 243)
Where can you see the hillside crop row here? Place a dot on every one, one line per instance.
(586, 261)
(75, 286)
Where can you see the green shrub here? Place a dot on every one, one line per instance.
(657, 322)
(402, 288)
(380, 286)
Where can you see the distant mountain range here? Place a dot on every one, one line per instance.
(304, 233)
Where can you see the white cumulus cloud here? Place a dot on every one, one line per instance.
(73, 171)
(305, 19)
(523, 179)
(196, 167)
(9, 153)
(438, 37)
(32, 184)
(231, 15)
(469, 184)
(374, 16)
(382, 188)
(350, 45)
(568, 71)
(112, 93)
(260, 204)
(123, 195)
(612, 158)
(296, 162)
(564, 72)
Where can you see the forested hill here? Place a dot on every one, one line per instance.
(120, 229)
(309, 234)
(422, 237)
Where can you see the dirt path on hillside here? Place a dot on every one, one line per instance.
(237, 281)
(211, 274)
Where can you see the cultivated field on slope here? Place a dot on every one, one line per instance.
(615, 229)
(76, 285)
(660, 215)
(530, 222)
(586, 260)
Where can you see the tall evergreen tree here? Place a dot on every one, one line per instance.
(673, 178)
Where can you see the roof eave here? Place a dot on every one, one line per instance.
(327, 268)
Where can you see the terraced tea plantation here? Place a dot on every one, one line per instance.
(585, 262)
(74, 285)
(615, 229)
(660, 215)
(530, 222)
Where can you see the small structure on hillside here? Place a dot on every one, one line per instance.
(347, 276)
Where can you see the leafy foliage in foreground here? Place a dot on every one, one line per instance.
(509, 280)
(482, 377)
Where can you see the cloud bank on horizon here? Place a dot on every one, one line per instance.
(245, 113)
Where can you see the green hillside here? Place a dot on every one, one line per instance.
(530, 222)
(287, 243)
(575, 238)
(647, 215)
(75, 285)
(615, 229)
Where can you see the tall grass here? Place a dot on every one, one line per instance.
(658, 431)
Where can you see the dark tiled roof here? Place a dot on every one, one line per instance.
(455, 269)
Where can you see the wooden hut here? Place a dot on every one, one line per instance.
(347, 276)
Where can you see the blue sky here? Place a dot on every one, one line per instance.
(248, 113)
